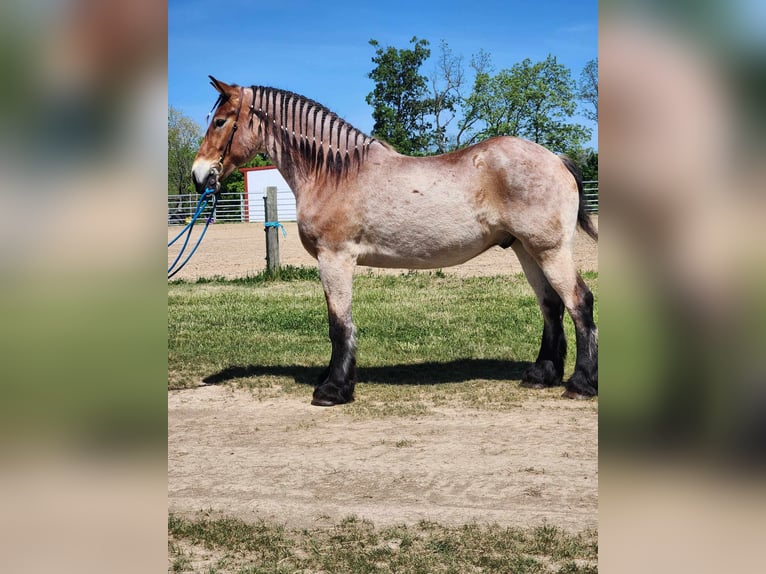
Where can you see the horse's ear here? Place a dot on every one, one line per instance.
(220, 87)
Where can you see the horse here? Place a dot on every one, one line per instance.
(359, 202)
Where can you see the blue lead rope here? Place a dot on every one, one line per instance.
(277, 225)
(203, 201)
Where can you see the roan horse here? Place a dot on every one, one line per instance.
(361, 202)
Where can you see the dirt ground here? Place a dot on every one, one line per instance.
(239, 249)
(284, 461)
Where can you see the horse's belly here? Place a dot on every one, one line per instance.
(428, 228)
(420, 252)
(401, 262)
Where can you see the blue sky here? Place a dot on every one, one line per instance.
(321, 50)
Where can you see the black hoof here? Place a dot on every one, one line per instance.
(330, 394)
(322, 402)
(579, 387)
(541, 376)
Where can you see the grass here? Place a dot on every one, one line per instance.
(424, 339)
(357, 546)
(284, 273)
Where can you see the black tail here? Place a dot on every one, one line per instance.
(583, 219)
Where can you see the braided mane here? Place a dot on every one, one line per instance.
(312, 139)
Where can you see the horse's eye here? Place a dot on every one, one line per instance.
(219, 122)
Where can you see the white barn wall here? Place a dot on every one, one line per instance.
(256, 181)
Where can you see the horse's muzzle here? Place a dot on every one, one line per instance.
(208, 182)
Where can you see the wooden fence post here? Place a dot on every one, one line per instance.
(272, 233)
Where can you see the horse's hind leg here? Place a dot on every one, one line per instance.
(559, 268)
(548, 369)
(337, 386)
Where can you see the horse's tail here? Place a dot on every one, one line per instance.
(583, 219)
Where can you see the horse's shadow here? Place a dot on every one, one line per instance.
(430, 373)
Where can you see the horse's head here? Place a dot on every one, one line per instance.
(226, 144)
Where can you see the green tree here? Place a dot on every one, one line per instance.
(587, 161)
(531, 100)
(590, 167)
(400, 99)
(183, 142)
(588, 87)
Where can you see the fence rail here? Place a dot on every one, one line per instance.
(231, 208)
(590, 194)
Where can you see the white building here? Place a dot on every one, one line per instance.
(257, 179)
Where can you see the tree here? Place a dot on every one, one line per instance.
(590, 167)
(589, 88)
(533, 101)
(447, 79)
(482, 66)
(183, 141)
(587, 161)
(400, 98)
(420, 115)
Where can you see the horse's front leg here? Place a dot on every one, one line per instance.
(337, 387)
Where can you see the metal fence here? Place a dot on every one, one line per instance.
(590, 193)
(231, 208)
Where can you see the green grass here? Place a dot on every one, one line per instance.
(423, 338)
(358, 547)
(284, 273)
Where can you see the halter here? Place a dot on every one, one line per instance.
(218, 168)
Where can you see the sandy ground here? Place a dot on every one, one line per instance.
(281, 460)
(285, 461)
(239, 249)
